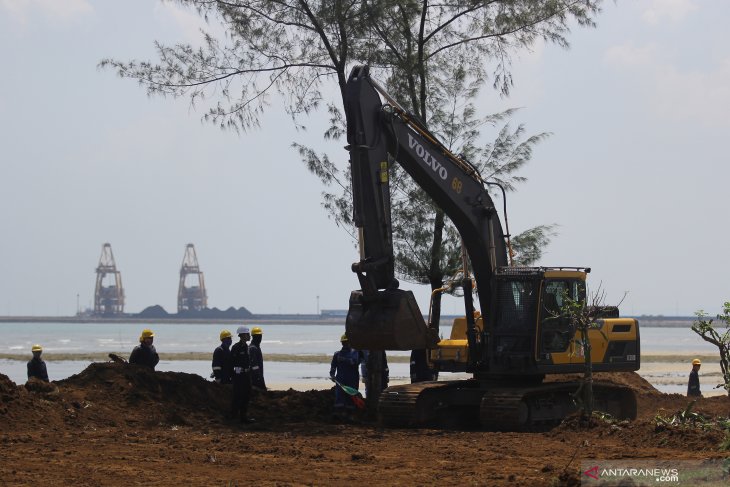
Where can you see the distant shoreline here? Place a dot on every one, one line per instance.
(264, 320)
(296, 319)
(304, 358)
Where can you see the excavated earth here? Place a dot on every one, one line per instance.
(118, 424)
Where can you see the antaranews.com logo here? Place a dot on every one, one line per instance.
(655, 472)
(615, 473)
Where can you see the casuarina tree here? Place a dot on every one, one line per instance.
(300, 48)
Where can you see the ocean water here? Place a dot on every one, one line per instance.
(169, 337)
(69, 339)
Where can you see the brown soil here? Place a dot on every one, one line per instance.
(116, 424)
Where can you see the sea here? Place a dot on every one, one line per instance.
(297, 356)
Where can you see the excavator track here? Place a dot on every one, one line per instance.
(544, 406)
(495, 407)
(417, 404)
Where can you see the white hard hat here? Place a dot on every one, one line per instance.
(242, 330)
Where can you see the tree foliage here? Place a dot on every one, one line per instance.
(432, 55)
(708, 331)
(295, 46)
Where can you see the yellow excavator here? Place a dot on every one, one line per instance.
(517, 337)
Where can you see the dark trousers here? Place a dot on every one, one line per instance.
(241, 396)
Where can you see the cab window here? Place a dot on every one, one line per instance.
(556, 330)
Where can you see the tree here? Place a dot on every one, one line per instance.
(297, 46)
(582, 312)
(705, 328)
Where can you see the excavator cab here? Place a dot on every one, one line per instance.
(530, 334)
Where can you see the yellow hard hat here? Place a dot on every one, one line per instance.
(696, 362)
(225, 334)
(343, 338)
(36, 348)
(256, 331)
(146, 333)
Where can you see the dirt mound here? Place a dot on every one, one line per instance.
(668, 404)
(292, 406)
(37, 385)
(7, 387)
(22, 406)
(187, 397)
(631, 380)
(135, 385)
(113, 394)
(656, 427)
(8, 393)
(646, 435)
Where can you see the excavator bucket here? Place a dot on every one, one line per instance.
(391, 320)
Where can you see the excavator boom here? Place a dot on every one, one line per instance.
(381, 316)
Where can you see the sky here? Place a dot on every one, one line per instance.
(634, 172)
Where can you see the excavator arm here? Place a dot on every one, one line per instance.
(382, 317)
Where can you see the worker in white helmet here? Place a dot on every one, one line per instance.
(241, 364)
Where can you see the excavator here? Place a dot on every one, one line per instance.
(516, 338)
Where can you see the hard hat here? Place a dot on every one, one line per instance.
(256, 331)
(225, 334)
(243, 330)
(146, 333)
(343, 338)
(696, 362)
(36, 348)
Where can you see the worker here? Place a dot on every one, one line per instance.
(222, 359)
(420, 371)
(145, 353)
(241, 363)
(385, 374)
(693, 387)
(36, 365)
(344, 370)
(257, 359)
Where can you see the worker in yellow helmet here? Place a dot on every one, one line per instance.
(693, 387)
(145, 353)
(36, 365)
(222, 368)
(257, 359)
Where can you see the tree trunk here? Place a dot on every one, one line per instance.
(587, 378)
(435, 273)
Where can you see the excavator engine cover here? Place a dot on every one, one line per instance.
(390, 320)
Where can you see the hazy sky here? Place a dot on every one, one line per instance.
(634, 173)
